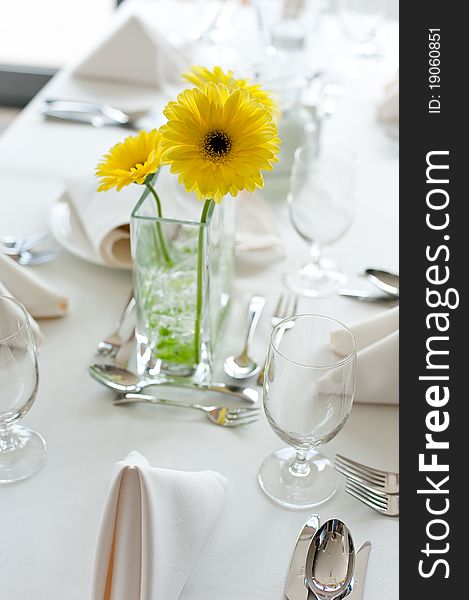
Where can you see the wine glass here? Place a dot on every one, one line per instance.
(321, 207)
(287, 26)
(308, 395)
(360, 21)
(22, 451)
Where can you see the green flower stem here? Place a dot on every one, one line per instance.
(159, 231)
(208, 207)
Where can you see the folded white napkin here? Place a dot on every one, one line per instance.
(38, 298)
(154, 526)
(105, 216)
(377, 341)
(134, 53)
(388, 108)
(37, 333)
(256, 229)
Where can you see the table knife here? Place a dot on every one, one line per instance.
(295, 588)
(361, 564)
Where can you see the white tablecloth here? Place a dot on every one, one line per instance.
(49, 523)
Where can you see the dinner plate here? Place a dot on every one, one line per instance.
(66, 228)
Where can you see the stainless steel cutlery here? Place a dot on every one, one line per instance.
(385, 281)
(21, 249)
(386, 504)
(242, 365)
(220, 415)
(123, 381)
(324, 565)
(376, 488)
(286, 307)
(124, 331)
(383, 481)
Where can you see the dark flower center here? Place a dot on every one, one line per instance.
(216, 145)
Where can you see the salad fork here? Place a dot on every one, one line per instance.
(383, 481)
(286, 307)
(219, 415)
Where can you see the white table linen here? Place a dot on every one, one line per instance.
(51, 520)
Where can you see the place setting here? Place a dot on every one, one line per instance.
(206, 310)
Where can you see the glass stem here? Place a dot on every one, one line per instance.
(300, 466)
(7, 440)
(200, 277)
(159, 230)
(315, 252)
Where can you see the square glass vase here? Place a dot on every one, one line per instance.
(182, 278)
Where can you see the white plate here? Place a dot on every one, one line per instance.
(66, 228)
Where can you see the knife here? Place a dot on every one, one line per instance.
(295, 588)
(361, 564)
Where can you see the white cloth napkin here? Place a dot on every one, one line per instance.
(256, 229)
(37, 333)
(105, 216)
(388, 108)
(154, 526)
(134, 53)
(377, 341)
(39, 299)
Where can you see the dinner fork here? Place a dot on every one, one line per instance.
(111, 345)
(383, 481)
(386, 504)
(219, 415)
(286, 307)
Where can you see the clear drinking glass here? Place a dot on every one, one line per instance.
(287, 25)
(22, 451)
(360, 21)
(321, 207)
(308, 395)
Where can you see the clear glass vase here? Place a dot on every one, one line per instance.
(176, 262)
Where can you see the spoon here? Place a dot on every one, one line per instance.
(384, 280)
(242, 365)
(123, 381)
(330, 562)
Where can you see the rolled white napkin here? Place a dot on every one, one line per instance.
(134, 53)
(154, 526)
(377, 342)
(37, 333)
(39, 299)
(105, 216)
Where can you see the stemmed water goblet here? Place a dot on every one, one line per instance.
(22, 450)
(308, 394)
(321, 207)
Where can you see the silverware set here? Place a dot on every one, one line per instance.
(385, 281)
(28, 251)
(324, 564)
(376, 488)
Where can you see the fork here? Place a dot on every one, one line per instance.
(386, 504)
(220, 415)
(286, 307)
(111, 345)
(382, 481)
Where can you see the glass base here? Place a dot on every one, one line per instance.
(315, 485)
(24, 454)
(315, 281)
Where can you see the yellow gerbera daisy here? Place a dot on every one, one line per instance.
(201, 75)
(219, 140)
(130, 161)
